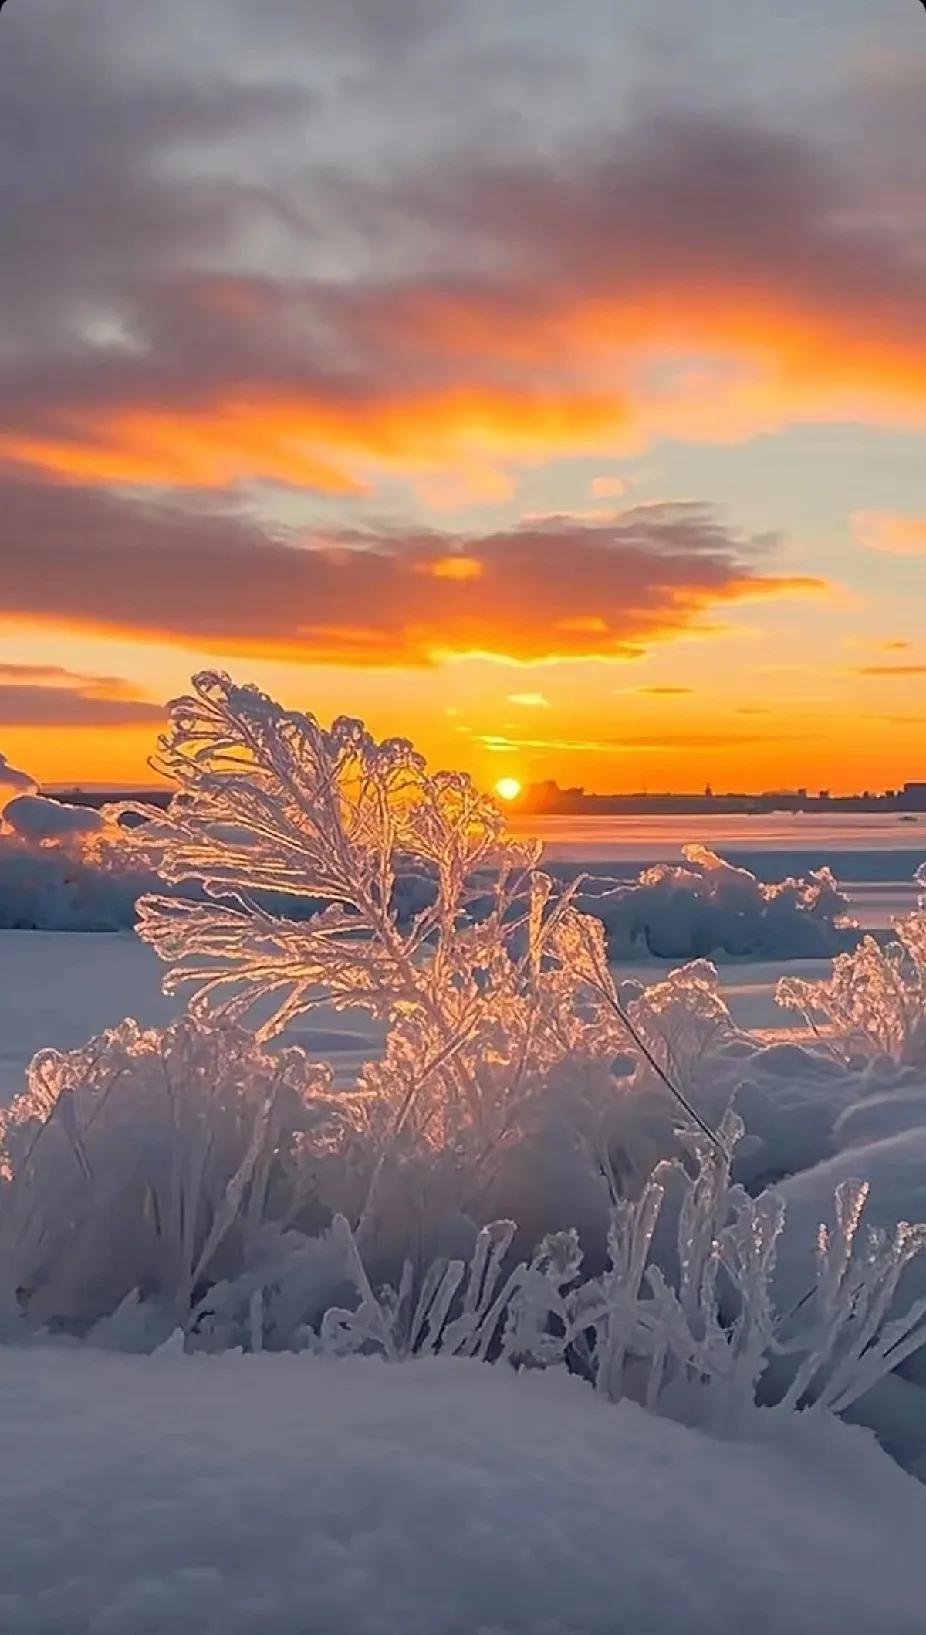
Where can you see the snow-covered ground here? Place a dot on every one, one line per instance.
(59, 987)
(241, 1495)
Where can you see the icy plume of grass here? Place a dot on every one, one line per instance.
(706, 906)
(695, 1343)
(170, 1180)
(874, 1004)
(151, 1161)
(485, 1000)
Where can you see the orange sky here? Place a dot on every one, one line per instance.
(574, 435)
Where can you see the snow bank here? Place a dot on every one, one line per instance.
(238, 1495)
(63, 867)
(12, 782)
(62, 887)
(706, 908)
(35, 817)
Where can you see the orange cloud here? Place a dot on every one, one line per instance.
(33, 695)
(456, 567)
(551, 590)
(891, 533)
(333, 448)
(595, 309)
(891, 670)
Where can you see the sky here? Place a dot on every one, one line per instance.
(545, 383)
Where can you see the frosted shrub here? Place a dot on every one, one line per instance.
(490, 988)
(875, 1001)
(693, 1336)
(205, 1175)
(150, 1162)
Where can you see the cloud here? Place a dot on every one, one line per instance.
(665, 692)
(501, 743)
(50, 696)
(218, 583)
(529, 701)
(679, 274)
(890, 532)
(891, 670)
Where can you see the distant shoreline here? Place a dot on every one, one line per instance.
(908, 803)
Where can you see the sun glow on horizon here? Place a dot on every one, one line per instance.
(508, 788)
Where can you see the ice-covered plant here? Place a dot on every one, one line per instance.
(692, 1333)
(875, 1001)
(152, 1161)
(460, 1309)
(489, 985)
(708, 1326)
(848, 1339)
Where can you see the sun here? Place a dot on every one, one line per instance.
(508, 788)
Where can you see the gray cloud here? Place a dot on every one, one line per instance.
(34, 695)
(557, 587)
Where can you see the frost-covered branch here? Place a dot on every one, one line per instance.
(874, 1003)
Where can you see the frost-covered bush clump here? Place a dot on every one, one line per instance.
(696, 1342)
(202, 1178)
(148, 1163)
(874, 1004)
(707, 907)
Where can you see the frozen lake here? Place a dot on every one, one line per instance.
(873, 857)
(871, 839)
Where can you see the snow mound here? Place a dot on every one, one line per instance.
(13, 782)
(236, 1494)
(61, 886)
(35, 817)
(706, 907)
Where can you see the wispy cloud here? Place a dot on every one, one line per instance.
(665, 692)
(891, 670)
(890, 532)
(34, 695)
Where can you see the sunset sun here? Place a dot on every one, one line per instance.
(508, 788)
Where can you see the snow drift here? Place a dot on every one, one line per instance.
(707, 907)
(64, 867)
(236, 1495)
